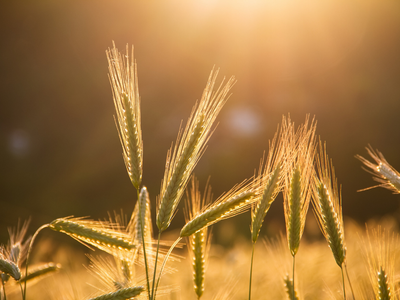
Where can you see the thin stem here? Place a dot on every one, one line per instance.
(251, 269)
(164, 262)
(27, 256)
(20, 284)
(4, 289)
(155, 266)
(344, 289)
(348, 278)
(144, 248)
(293, 277)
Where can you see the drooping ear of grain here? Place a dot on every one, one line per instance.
(95, 234)
(292, 295)
(222, 209)
(387, 176)
(10, 268)
(188, 149)
(122, 294)
(124, 84)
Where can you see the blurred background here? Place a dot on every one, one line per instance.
(59, 150)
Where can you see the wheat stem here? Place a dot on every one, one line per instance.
(251, 269)
(4, 288)
(28, 254)
(155, 268)
(344, 286)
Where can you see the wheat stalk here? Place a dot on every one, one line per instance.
(188, 149)
(95, 233)
(383, 172)
(122, 294)
(236, 201)
(123, 78)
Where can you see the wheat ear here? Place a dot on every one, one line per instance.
(291, 293)
(199, 242)
(188, 149)
(380, 256)
(9, 268)
(41, 270)
(95, 233)
(122, 294)
(123, 78)
(270, 179)
(300, 149)
(328, 207)
(236, 201)
(383, 172)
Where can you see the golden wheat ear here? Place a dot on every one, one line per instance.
(328, 207)
(237, 200)
(122, 294)
(124, 84)
(380, 252)
(300, 147)
(188, 149)
(40, 271)
(291, 293)
(199, 242)
(99, 234)
(387, 176)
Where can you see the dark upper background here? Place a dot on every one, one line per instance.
(59, 150)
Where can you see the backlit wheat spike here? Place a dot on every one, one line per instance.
(9, 268)
(236, 201)
(188, 149)
(383, 173)
(328, 207)
(95, 233)
(122, 294)
(142, 215)
(270, 179)
(300, 149)
(123, 78)
(199, 242)
(41, 271)
(380, 254)
(292, 295)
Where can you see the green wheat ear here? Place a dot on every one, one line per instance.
(380, 251)
(387, 176)
(188, 149)
(300, 149)
(199, 242)
(123, 78)
(328, 207)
